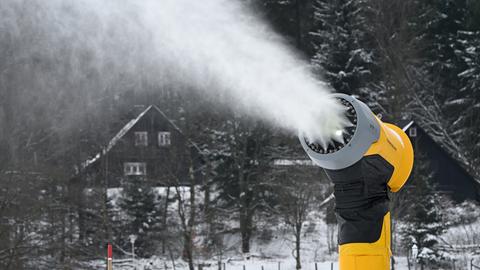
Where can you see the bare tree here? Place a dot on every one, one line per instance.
(299, 191)
(186, 212)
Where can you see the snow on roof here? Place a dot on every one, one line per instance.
(407, 126)
(115, 139)
(125, 129)
(90, 161)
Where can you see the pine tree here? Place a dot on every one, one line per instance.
(443, 22)
(138, 203)
(344, 49)
(466, 124)
(466, 101)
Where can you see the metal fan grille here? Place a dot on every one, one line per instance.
(333, 145)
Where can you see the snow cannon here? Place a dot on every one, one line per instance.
(365, 160)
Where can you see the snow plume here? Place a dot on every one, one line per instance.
(217, 46)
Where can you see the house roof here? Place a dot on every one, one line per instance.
(124, 130)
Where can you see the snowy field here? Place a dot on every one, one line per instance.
(276, 252)
(252, 264)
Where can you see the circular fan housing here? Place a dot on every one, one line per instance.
(357, 137)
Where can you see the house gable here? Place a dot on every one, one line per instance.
(150, 146)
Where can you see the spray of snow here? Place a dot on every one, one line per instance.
(217, 46)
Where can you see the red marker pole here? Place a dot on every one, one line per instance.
(109, 257)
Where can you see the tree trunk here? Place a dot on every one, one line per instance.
(208, 211)
(298, 234)
(106, 224)
(187, 250)
(245, 242)
(76, 199)
(298, 19)
(191, 222)
(165, 215)
(246, 231)
(188, 225)
(7, 138)
(245, 219)
(63, 245)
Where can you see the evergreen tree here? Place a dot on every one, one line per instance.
(473, 14)
(443, 22)
(466, 101)
(138, 203)
(466, 124)
(344, 48)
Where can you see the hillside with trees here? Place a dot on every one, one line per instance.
(407, 59)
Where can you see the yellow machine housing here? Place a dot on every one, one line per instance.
(395, 147)
(375, 158)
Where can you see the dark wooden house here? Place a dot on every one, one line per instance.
(149, 146)
(450, 177)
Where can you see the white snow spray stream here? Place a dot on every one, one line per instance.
(219, 46)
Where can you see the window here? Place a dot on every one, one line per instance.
(164, 138)
(135, 168)
(141, 138)
(412, 132)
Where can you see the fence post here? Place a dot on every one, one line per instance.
(316, 266)
(331, 266)
(471, 264)
(109, 257)
(224, 266)
(262, 267)
(278, 265)
(244, 267)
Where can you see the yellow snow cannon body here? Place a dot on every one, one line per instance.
(371, 159)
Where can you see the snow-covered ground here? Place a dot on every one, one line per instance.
(275, 251)
(251, 264)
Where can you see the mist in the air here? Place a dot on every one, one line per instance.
(215, 46)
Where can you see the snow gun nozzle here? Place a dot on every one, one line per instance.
(363, 135)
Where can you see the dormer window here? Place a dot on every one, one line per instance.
(412, 132)
(164, 138)
(141, 138)
(135, 168)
